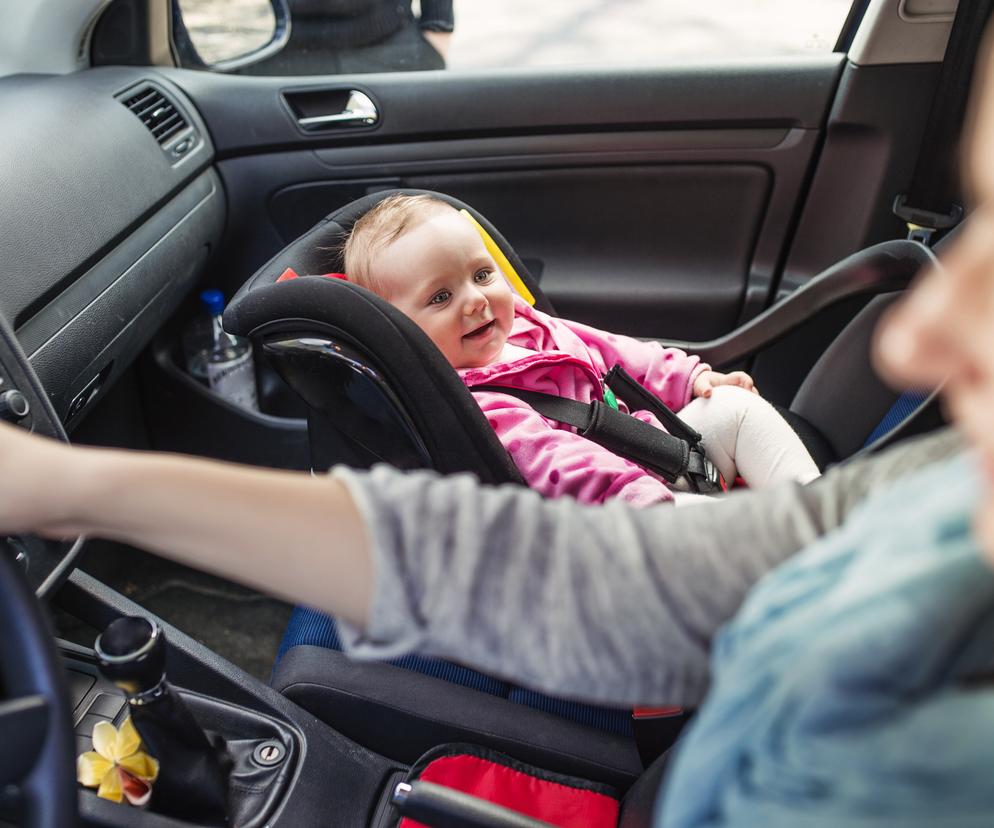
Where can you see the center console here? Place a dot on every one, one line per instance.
(287, 768)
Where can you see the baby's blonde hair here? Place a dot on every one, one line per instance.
(381, 226)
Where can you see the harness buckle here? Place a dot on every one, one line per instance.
(923, 224)
(702, 474)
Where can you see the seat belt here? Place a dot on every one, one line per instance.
(672, 456)
(929, 207)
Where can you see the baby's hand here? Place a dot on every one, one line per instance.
(707, 381)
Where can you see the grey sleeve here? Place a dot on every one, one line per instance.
(604, 603)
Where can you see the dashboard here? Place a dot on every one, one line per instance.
(110, 211)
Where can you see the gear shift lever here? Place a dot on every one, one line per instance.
(194, 766)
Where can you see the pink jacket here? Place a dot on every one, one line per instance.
(571, 360)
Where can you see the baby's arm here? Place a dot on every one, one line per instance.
(667, 372)
(556, 461)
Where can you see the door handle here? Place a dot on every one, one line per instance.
(359, 110)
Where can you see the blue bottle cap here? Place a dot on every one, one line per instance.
(213, 300)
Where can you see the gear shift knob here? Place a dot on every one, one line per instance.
(132, 653)
(194, 766)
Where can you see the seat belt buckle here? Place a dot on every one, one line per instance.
(656, 712)
(923, 224)
(714, 477)
(656, 729)
(705, 477)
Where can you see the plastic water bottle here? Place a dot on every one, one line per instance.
(220, 360)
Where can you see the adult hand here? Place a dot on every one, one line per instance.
(221, 517)
(35, 474)
(439, 40)
(707, 381)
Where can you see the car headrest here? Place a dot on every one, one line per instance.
(319, 250)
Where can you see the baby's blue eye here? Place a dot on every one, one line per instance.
(483, 276)
(440, 298)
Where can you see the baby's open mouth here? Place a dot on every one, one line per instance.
(480, 332)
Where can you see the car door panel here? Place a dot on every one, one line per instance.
(673, 269)
(656, 203)
(247, 115)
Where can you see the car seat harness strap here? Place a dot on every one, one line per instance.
(673, 456)
(638, 397)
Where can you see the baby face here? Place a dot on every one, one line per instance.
(442, 277)
(944, 329)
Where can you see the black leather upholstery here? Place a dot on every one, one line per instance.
(401, 715)
(638, 804)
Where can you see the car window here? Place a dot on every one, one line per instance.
(347, 36)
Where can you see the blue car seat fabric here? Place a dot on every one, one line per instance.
(309, 627)
(903, 407)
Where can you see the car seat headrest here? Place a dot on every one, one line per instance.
(319, 250)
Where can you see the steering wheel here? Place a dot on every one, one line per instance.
(39, 745)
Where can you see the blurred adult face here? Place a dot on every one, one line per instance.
(944, 329)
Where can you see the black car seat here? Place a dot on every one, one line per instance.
(381, 392)
(377, 390)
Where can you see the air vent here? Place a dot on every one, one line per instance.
(157, 112)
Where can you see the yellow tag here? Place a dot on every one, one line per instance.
(498, 256)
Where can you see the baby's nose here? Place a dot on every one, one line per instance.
(475, 302)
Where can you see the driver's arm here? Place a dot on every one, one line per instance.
(289, 534)
(606, 603)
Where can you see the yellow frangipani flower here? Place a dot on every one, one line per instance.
(117, 766)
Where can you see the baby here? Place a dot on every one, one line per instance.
(420, 254)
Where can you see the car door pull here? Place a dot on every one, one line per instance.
(359, 110)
